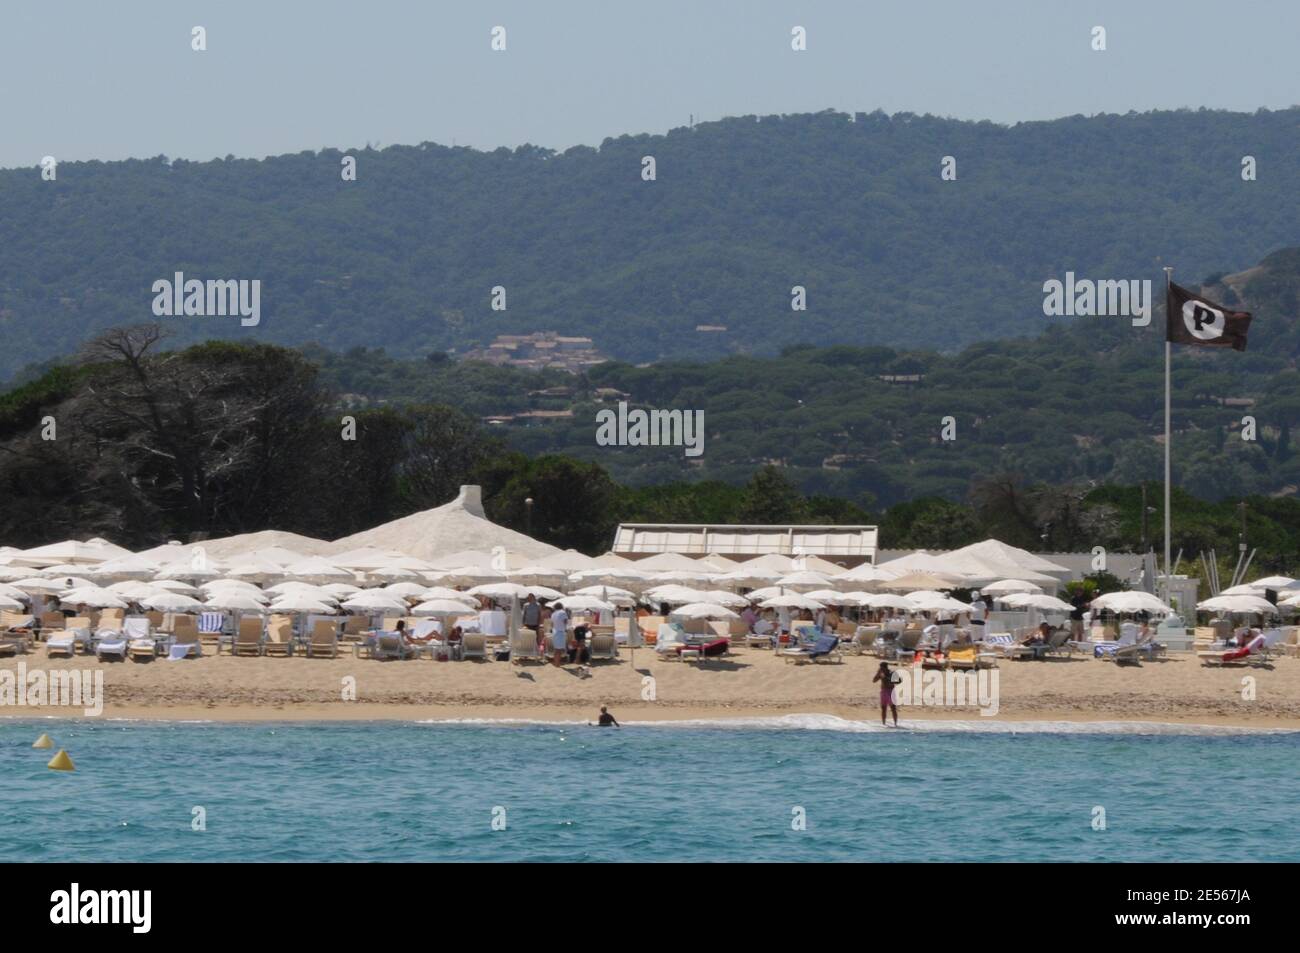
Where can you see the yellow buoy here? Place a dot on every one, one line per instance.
(61, 762)
(43, 742)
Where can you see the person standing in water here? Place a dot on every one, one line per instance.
(606, 719)
(886, 679)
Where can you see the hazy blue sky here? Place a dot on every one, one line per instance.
(83, 79)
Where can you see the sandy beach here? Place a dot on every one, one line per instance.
(751, 683)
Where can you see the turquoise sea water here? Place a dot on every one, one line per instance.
(705, 791)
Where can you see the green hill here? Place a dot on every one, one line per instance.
(1078, 403)
(852, 208)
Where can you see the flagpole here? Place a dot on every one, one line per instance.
(1168, 429)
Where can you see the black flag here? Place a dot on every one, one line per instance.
(1191, 319)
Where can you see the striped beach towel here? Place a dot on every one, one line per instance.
(211, 622)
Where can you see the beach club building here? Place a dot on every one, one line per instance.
(844, 546)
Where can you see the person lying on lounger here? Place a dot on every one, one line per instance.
(1039, 636)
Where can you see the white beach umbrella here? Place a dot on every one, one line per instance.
(444, 607)
(791, 600)
(500, 590)
(394, 574)
(133, 590)
(227, 582)
(833, 598)
(1291, 601)
(10, 604)
(13, 592)
(63, 584)
(1130, 602)
(765, 592)
(175, 585)
(804, 581)
(682, 577)
(250, 592)
(703, 610)
(544, 592)
(375, 600)
(125, 567)
(613, 575)
(301, 604)
(93, 597)
(1245, 589)
(233, 600)
(888, 600)
(604, 592)
(723, 598)
(171, 602)
(1037, 600)
(446, 592)
(1238, 605)
(316, 569)
(319, 593)
(1008, 586)
(1275, 582)
(254, 569)
(10, 573)
(539, 576)
(341, 590)
(926, 601)
(465, 576)
(83, 571)
(676, 595)
(405, 590)
(585, 604)
(866, 573)
(920, 580)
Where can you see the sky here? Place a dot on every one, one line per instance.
(85, 79)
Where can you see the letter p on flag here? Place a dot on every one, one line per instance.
(1191, 319)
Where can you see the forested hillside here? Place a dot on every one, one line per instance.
(742, 210)
(1083, 403)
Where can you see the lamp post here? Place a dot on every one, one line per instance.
(528, 515)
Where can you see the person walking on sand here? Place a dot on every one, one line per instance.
(560, 635)
(886, 679)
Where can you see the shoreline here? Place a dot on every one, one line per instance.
(751, 684)
(630, 714)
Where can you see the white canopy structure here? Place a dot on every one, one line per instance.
(458, 525)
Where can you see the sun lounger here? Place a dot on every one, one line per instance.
(1257, 652)
(523, 647)
(53, 621)
(279, 637)
(248, 640)
(324, 639)
(65, 642)
(605, 649)
(474, 645)
(110, 643)
(141, 643)
(185, 640)
(392, 645)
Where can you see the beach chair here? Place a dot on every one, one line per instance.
(185, 642)
(324, 639)
(474, 645)
(355, 627)
(53, 621)
(904, 648)
(110, 643)
(15, 632)
(605, 649)
(65, 641)
(248, 640)
(1125, 651)
(391, 645)
(140, 643)
(523, 647)
(825, 648)
(279, 636)
(1256, 652)
(111, 619)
